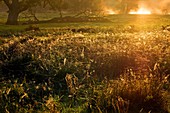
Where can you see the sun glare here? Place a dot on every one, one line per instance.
(140, 11)
(110, 12)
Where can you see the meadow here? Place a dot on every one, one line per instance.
(121, 66)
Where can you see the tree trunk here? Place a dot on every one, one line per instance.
(60, 12)
(12, 17)
(61, 15)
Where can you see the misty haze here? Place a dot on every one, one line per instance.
(85, 56)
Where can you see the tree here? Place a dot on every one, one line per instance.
(15, 7)
(125, 6)
(58, 5)
(85, 6)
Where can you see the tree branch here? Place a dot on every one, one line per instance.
(24, 5)
(7, 3)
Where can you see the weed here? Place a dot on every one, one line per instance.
(98, 69)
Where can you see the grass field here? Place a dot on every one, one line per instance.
(142, 22)
(121, 66)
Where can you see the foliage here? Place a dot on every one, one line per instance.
(131, 93)
(27, 97)
(85, 69)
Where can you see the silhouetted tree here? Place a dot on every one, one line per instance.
(58, 5)
(85, 6)
(125, 6)
(16, 7)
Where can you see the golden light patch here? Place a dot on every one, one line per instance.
(109, 11)
(141, 11)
